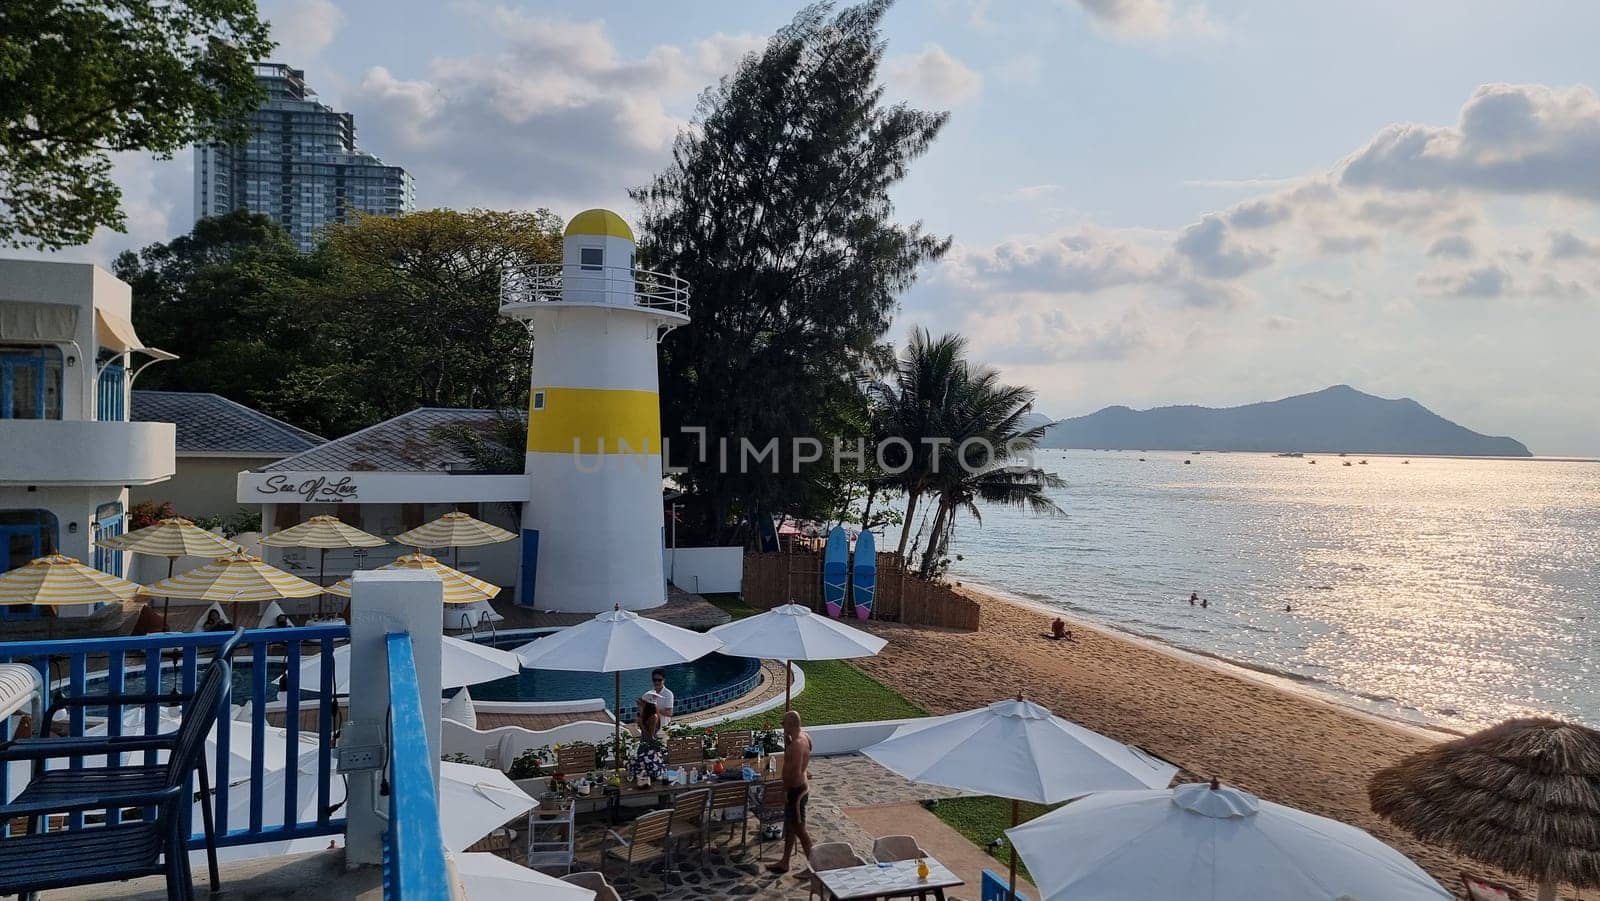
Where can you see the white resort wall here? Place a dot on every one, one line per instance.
(706, 570)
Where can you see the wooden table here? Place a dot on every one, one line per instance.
(888, 880)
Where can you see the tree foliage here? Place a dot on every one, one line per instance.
(776, 209)
(388, 314)
(84, 79)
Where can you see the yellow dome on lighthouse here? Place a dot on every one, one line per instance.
(599, 222)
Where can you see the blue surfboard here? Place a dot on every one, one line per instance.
(865, 574)
(835, 571)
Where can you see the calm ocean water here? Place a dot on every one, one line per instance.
(1452, 592)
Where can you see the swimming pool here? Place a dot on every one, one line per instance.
(700, 685)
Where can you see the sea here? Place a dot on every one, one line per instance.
(1446, 592)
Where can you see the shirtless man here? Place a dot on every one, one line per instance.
(796, 760)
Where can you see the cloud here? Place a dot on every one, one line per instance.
(1214, 251)
(1148, 20)
(1074, 262)
(1564, 245)
(1509, 139)
(1328, 295)
(1260, 213)
(932, 78)
(1491, 280)
(1349, 243)
(1031, 194)
(557, 115)
(1458, 247)
(1043, 334)
(303, 28)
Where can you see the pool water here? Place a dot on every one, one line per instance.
(134, 682)
(696, 685)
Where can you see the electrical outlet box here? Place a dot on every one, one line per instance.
(360, 758)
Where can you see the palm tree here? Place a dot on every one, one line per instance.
(928, 379)
(968, 439)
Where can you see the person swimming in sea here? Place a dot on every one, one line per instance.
(1193, 596)
(1204, 603)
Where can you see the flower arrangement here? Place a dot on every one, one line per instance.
(532, 762)
(770, 739)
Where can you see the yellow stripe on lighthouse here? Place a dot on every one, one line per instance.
(594, 421)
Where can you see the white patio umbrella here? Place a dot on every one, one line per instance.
(793, 632)
(475, 801)
(273, 788)
(274, 746)
(615, 641)
(1203, 842)
(486, 876)
(1019, 750)
(461, 663)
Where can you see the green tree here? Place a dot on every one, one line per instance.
(412, 309)
(81, 80)
(920, 410)
(229, 299)
(776, 209)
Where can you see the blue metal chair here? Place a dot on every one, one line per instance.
(154, 844)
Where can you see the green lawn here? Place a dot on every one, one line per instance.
(835, 692)
(982, 820)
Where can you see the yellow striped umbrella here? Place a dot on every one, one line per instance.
(454, 530)
(237, 578)
(323, 532)
(172, 538)
(59, 581)
(459, 588)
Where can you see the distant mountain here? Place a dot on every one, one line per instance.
(1033, 420)
(1334, 420)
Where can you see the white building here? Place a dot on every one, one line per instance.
(68, 453)
(300, 165)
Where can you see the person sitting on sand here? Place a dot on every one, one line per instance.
(1058, 629)
(796, 790)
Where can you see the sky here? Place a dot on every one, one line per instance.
(1151, 201)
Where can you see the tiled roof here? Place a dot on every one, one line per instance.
(210, 423)
(407, 443)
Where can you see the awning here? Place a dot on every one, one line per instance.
(116, 333)
(26, 320)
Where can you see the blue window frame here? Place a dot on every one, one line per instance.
(24, 535)
(107, 524)
(109, 396)
(30, 382)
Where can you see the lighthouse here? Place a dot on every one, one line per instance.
(592, 527)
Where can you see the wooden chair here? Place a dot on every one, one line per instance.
(685, 752)
(647, 841)
(830, 856)
(574, 759)
(731, 745)
(728, 797)
(769, 809)
(891, 848)
(689, 821)
(594, 882)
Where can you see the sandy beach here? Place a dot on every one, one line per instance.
(1278, 744)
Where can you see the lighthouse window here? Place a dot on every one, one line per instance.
(591, 258)
(538, 400)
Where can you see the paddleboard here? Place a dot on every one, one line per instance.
(866, 574)
(835, 571)
(769, 533)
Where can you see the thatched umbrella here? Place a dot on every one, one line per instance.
(1523, 796)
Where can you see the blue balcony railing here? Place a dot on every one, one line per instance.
(996, 888)
(88, 666)
(414, 867)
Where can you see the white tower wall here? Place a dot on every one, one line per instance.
(593, 526)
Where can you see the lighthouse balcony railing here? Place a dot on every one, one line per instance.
(521, 286)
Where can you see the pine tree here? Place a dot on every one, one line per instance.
(776, 209)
